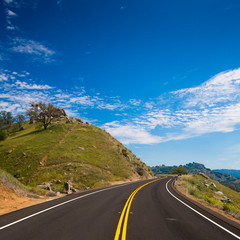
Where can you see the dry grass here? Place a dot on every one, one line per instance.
(193, 186)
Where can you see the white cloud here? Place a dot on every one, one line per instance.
(221, 88)
(11, 13)
(131, 134)
(214, 106)
(8, 1)
(3, 77)
(83, 100)
(20, 88)
(9, 19)
(36, 49)
(24, 85)
(211, 107)
(135, 102)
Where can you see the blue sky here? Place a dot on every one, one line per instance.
(163, 77)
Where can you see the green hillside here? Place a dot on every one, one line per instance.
(213, 192)
(75, 151)
(195, 168)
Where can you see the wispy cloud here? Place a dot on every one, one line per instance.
(20, 88)
(214, 106)
(33, 48)
(211, 107)
(10, 15)
(24, 85)
(135, 102)
(131, 133)
(9, 1)
(3, 77)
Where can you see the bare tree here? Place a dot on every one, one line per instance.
(42, 113)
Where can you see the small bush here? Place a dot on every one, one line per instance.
(226, 208)
(211, 200)
(3, 135)
(140, 171)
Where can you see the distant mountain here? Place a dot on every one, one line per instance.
(195, 168)
(232, 172)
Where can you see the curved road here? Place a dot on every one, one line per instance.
(153, 211)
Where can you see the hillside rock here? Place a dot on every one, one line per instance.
(79, 120)
(46, 186)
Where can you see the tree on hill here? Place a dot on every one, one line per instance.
(180, 170)
(19, 119)
(42, 113)
(6, 121)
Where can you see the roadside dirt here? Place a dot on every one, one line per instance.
(181, 189)
(10, 201)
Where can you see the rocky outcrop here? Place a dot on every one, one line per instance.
(69, 187)
(79, 120)
(203, 175)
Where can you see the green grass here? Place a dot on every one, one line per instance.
(195, 185)
(34, 143)
(56, 154)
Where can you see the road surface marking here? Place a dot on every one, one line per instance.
(60, 204)
(233, 234)
(125, 213)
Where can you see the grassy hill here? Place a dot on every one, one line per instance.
(195, 168)
(213, 193)
(79, 152)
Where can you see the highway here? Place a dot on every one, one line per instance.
(143, 210)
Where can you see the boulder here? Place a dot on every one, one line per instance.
(82, 148)
(203, 175)
(226, 199)
(69, 120)
(129, 158)
(9, 151)
(68, 186)
(45, 186)
(219, 193)
(213, 184)
(79, 120)
(124, 152)
(64, 112)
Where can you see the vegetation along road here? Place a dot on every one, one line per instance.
(149, 209)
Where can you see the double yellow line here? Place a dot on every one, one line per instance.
(125, 213)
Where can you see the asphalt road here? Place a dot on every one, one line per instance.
(150, 213)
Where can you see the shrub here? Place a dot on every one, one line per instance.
(3, 135)
(140, 171)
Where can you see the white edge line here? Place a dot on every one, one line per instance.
(60, 204)
(233, 234)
